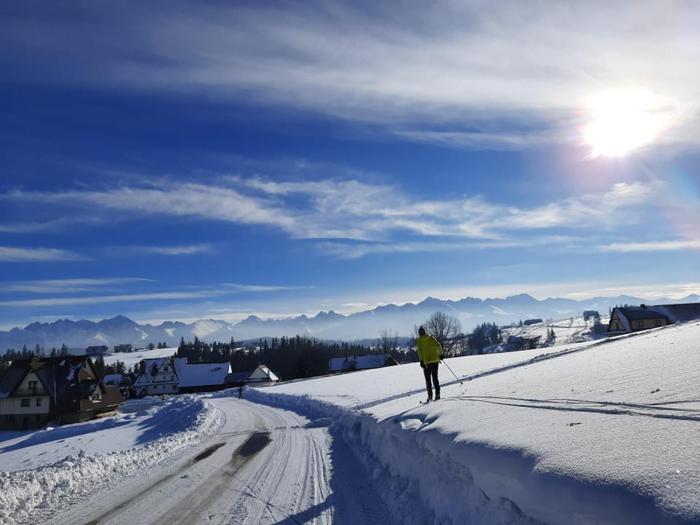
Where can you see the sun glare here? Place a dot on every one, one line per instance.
(622, 121)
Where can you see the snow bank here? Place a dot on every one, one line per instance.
(162, 428)
(602, 432)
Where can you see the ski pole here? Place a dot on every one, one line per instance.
(453, 373)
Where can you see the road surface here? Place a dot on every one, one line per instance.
(264, 466)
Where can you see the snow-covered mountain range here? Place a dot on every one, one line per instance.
(366, 324)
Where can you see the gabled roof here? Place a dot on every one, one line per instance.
(59, 375)
(201, 374)
(262, 373)
(638, 313)
(154, 364)
(13, 377)
(681, 312)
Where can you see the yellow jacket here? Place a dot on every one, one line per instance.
(429, 350)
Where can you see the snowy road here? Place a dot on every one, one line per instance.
(264, 465)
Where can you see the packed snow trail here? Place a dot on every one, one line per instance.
(265, 465)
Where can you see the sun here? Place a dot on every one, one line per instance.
(623, 121)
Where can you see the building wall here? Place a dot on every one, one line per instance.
(15, 416)
(646, 324)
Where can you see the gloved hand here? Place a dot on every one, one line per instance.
(422, 364)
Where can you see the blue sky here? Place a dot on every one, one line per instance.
(188, 160)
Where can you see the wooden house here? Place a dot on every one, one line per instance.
(61, 389)
(626, 319)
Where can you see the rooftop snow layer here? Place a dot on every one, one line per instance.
(200, 374)
(604, 432)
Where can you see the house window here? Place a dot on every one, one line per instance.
(26, 402)
(32, 385)
(10, 418)
(38, 401)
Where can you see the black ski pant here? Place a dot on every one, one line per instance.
(430, 371)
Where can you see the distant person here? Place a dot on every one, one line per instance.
(240, 392)
(429, 354)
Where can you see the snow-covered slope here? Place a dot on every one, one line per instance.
(566, 331)
(132, 358)
(597, 432)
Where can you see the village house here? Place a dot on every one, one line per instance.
(360, 362)
(259, 375)
(262, 374)
(158, 376)
(174, 375)
(201, 377)
(61, 389)
(94, 351)
(626, 319)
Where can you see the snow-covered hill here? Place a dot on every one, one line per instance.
(589, 433)
(566, 331)
(367, 324)
(133, 358)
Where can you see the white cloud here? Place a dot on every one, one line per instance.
(189, 249)
(257, 288)
(102, 299)
(67, 285)
(507, 76)
(355, 210)
(13, 254)
(652, 246)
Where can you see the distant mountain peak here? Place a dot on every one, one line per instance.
(366, 324)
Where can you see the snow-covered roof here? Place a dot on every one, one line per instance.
(153, 367)
(360, 362)
(200, 374)
(680, 312)
(112, 379)
(262, 373)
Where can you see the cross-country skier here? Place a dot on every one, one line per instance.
(429, 354)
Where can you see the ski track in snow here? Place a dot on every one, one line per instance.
(263, 466)
(596, 432)
(522, 446)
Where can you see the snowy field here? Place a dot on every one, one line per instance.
(567, 331)
(602, 432)
(133, 358)
(598, 432)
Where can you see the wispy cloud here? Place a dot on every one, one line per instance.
(262, 288)
(57, 224)
(357, 250)
(103, 299)
(68, 285)
(354, 210)
(188, 249)
(652, 246)
(13, 254)
(510, 75)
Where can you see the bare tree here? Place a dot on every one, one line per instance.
(388, 341)
(446, 329)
